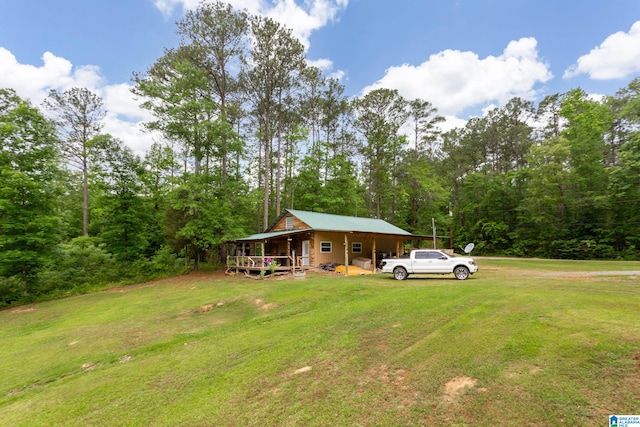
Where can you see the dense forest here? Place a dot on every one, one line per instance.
(248, 128)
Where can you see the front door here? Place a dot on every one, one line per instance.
(306, 244)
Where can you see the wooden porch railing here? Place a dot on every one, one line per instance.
(259, 263)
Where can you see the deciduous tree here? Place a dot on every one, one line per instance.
(28, 169)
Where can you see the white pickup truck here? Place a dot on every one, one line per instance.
(429, 261)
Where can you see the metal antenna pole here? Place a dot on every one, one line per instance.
(433, 224)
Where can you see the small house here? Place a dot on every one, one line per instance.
(300, 240)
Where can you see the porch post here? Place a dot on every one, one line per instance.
(288, 249)
(373, 256)
(346, 255)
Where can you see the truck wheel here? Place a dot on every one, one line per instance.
(400, 273)
(461, 272)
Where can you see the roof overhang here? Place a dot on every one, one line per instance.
(275, 234)
(419, 237)
(266, 236)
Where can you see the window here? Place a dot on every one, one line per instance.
(356, 247)
(259, 249)
(325, 247)
(428, 255)
(289, 223)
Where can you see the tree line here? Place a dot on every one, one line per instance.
(248, 128)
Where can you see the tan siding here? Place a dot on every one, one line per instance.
(282, 224)
(337, 248)
(383, 244)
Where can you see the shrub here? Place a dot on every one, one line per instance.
(11, 290)
(81, 262)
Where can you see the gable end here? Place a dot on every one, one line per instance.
(294, 223)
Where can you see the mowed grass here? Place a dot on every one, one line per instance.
(522, 342)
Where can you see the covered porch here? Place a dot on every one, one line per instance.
(294, 251)
(275, 252)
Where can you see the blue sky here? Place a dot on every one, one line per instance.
(463, 56)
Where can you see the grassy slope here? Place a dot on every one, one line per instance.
(534, 348)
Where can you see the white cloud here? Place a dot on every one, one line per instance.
(326, 66)
(454, 81)
(322, 64)
(301, 17)
(34, 82)
(304, 21)
(119, 99)
(617, 57)
(337, 75)
(130, 132)
(451, 122)
(124, 116)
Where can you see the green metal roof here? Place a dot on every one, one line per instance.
(330, 222)
(263, 236)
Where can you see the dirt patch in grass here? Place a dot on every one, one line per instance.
(208, 307)
(637, 359)
(89, 366)
(302, 370)
(395, 385)
(22, 310)
(517, 371)
(262, 305)
(457, 387)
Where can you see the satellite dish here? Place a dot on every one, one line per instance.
(469, 248)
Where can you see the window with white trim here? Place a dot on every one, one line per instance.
(325, 247)
(289, 223)
(356, 247)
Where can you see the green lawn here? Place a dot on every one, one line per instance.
(520, 343)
